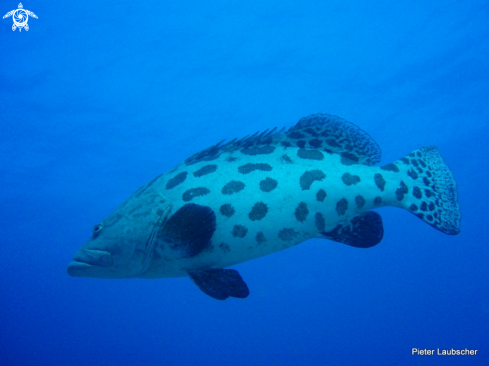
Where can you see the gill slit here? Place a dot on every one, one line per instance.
(151, 243)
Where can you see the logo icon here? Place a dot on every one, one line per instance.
(20, 17)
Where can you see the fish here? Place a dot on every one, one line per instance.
(249, 197)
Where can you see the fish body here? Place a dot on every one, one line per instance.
(251, 197)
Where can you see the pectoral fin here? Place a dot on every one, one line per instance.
(189, 230)
(220, 283)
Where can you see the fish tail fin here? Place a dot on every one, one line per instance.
(429, 190)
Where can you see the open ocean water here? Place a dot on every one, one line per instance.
(99, 97)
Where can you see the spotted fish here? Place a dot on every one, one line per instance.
(247, 198)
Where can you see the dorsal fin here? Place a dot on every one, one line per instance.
(267, 137)
(318, 131)
(333, 134)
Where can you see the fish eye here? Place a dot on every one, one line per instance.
(97, 228)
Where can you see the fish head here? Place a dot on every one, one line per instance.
(122, 245)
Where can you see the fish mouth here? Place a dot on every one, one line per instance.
(85, 259)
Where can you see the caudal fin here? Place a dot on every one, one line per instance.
(431, 191)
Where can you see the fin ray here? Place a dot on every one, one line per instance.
(318, 131)
(434, 196)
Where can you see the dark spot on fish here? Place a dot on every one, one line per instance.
(287, 234)
(295, 135)
(401, 191)
(315, 143)
(227, 210)
(239, 231)
(431, 206)
(260, 238)
(309, 177)
(341, 206)
(413, 207)
(258, 211)
(321, 195)
(377, 201)
(332, 142)
(231, 159)
(390, 167)
(268, 184)
(424, 206)
(429, 217)
(360, 201)
(250, 167)
(412, 174)
(207, 169)
(301, 144)
(379, 181)
(417, 192)
(233, 187)
(428, 174)
(405, 160)
(311, 131)
(428, 193)
(301, 212)
(176, 180)
(262, 150)
(349, 179)
(426, 181)
(286, 159)
(194, 192)
(310, 154)
(142, 214)
(320, 222)
(224, 247)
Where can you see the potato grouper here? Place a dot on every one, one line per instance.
(247, 198)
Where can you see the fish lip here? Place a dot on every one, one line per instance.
(87, 260)
(77, 269)
(94, 257)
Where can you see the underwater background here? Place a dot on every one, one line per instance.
(98, 98)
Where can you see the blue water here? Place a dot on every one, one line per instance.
(97, 98)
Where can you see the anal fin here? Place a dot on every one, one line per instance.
(363, 231)
(220, 283)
